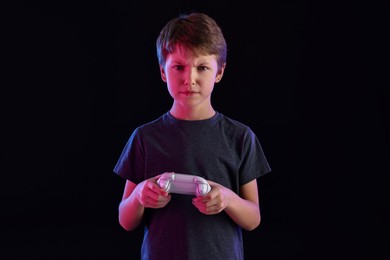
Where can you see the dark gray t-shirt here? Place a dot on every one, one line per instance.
(219, 149)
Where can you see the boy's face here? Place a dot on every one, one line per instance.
(190, 78)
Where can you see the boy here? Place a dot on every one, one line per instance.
(192, 138)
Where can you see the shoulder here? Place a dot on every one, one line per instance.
(151, 125)
(232, 124)
(232, 121)
(152, 129)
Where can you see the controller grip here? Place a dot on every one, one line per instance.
(184, 184)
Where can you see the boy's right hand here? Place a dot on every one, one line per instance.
(150, 195)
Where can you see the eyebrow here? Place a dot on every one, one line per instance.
(200, 62)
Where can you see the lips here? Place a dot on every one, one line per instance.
(188, 93)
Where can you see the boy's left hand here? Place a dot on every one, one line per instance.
(215, 201)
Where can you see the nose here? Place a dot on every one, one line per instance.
(190, 78)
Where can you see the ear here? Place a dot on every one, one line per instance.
(162, 72)
(219, 75)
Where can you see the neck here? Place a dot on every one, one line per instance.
(192, 114)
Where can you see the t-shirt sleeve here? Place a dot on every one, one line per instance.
(131, 163)
(254, 163)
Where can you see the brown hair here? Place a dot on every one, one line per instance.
(195, 31)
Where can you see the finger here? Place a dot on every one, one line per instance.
(162, 202)
(148, 196)
(152, 202)
(210, 210)
(212, 183)
(214, 205)
(209, 196)
(153, 186)
(207, 211)
(199, 204)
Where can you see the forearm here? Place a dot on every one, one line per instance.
(245, 213)
(130, 212)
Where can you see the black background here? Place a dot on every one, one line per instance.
(310, 79)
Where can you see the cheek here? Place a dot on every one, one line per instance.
(210, 80)
(172, 77)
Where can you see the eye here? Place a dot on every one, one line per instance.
(178, 67)
(202, 68)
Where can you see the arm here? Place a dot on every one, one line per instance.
(243, 209)
(136, 198)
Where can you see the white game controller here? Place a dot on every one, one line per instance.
(184, 184)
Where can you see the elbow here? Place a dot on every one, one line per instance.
(127, 221)
(123, 224)
(127, 228)
(252, 227)
(253, 224)
(126, 225)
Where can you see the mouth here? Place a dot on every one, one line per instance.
(188, 93)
